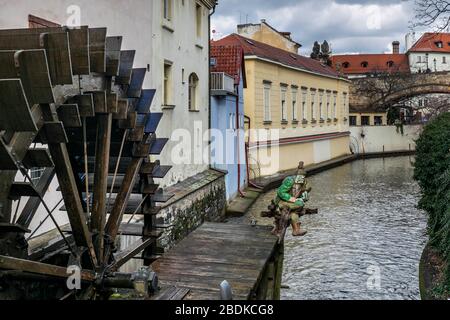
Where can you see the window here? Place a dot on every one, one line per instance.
(294, 104)
(334, 105)
(328, 116)
(304, 94)
(167, 9)
(320, 105)
(313, 107)
(198, 17)
(365, 120)
(390, 64)
(444, 60)
(353, 121)
(378, 121)
(344, 104)
(364, 64)
(167, 83)
(267, 116)
(283, 104)
(346, 65)
(36, 174)
(193, 88)
(419, 59)
(439, 44)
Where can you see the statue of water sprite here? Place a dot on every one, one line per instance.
(289, 204)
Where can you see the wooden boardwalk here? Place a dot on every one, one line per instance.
(247, 257)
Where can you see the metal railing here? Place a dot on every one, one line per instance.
(220, 81)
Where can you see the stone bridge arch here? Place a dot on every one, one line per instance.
(378, 93)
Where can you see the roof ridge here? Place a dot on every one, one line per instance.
(276, 55)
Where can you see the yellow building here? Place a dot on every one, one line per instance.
(362, 117)
(296, 107)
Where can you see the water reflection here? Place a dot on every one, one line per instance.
(367, 241)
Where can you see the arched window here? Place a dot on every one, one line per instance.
(390, 64)
(346, 65)
(193, 86)
(364, 64)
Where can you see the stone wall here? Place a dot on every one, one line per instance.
(374, 139)
(198, 199)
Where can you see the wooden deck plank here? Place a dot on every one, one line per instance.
(125, 66)
(97, 49)
(69, 115)
(14, 109)
(217, 252)
(113, 45)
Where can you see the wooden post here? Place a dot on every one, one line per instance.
(112, 227)
(98, 218)
(69, 189)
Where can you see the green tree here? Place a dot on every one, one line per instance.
(432, 171)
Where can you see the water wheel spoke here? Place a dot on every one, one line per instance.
(9, 263)
(98, 217)
(126, 255)
(112, 227)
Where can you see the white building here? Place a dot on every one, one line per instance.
(430, 53)
(171, 39)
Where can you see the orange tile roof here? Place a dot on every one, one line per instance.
(428, 43)
(229, 59)
(265, 51)
(370, 63)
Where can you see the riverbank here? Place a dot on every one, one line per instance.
(431, 274)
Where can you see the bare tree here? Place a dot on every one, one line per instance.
(432, 13)
(378, 86)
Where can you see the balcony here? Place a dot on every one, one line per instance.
(222, 84)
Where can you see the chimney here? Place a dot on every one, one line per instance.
(396, 47)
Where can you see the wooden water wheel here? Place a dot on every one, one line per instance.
(71, 102)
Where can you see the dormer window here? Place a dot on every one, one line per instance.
(346, 65)
(390, 64)
(439, 44)
(364, 64)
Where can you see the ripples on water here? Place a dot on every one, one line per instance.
(368, 225)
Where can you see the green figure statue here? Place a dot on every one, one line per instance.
(289, 204)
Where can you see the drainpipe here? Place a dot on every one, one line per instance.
(247, 146)
(209, 81)
(238, 142)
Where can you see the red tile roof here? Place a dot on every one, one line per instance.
(265, 51)
(428, 43)
(370, 63)
(229, 59)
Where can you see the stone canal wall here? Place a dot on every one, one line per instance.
(376, 139)
(197, 199)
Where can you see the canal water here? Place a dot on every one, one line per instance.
(367, 240)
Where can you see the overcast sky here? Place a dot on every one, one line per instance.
(351, 26)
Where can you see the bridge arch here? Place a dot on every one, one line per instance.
(381, 92)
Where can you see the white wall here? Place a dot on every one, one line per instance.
(375, 137)
(141, 22)
(415, 65)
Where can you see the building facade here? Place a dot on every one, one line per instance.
(227, 116)
(357, 66)
(430, 53)
(297, 108)
(171, 40)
